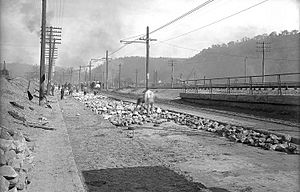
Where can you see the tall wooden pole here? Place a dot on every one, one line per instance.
(147, 58)
(172, 74)
(136, 78)
(71, 74)
(90, 71)
(42, 58)
(120, 76)
(106, 80)
(245, 62)
(49, 61)
(79, 75)
(263, 63)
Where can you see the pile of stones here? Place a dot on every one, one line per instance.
(122, 113)
(15, 161)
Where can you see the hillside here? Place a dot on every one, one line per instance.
(218, 60)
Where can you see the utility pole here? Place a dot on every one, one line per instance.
(120, 76)
(106, 77)
(172, 72)
(42, 58)
(85, 73)
(156, 77)
(245, 62)
(63, 77)
(147, 58)
(49, 61)
(102, 78)
(79, 74)
(51, 40)
(136, 79)
(71, 73)
(263, 48)
(146, 41)
(90, 71)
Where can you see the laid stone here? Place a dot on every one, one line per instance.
(287, 138)
(8, 171)
(20, 156)
(13, 182)
(22, 180)
(282, 147)
(261, 144)
(262, 139)
(273, 147)
(5, 135)
(1, 151)
(13, 190)
(20, 146)
(4, 184)
(292, 148)
(269, 140)
(251, 141)
(272, 136)
(2, 160)
(16, 164)
(267, 146)
(10, 155)
(7, 145)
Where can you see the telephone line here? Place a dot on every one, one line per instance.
(163, 26)
(182, 16)
(215, 22)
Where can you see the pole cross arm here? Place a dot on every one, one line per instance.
(54, 28)
(145, 39)
(129, 42)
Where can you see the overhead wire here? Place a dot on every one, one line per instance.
(182, 16)
(163, 26)
(215, 22)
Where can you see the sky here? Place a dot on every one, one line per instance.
(90, 27)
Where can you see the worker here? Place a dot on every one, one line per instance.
(149, 100)
(140, 102)
(62, 92)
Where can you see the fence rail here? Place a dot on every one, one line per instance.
(270, 84)
(280, 84)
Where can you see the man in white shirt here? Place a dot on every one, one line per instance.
(149, 100)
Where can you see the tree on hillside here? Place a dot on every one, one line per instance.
(285, 32)
(273, 34)
(294, 32)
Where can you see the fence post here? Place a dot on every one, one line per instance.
(184, 84)
(210, 86)
(228, 85)
(279, 85)
(250, 83)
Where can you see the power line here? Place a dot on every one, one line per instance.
(163, 26)
(182, 16)
(215, 22)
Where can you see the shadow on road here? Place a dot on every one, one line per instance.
(142, 179)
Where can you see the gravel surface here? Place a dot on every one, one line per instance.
(130, 159)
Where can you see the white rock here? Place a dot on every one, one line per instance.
(8, 171)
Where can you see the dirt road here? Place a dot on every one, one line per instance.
(170, 158)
